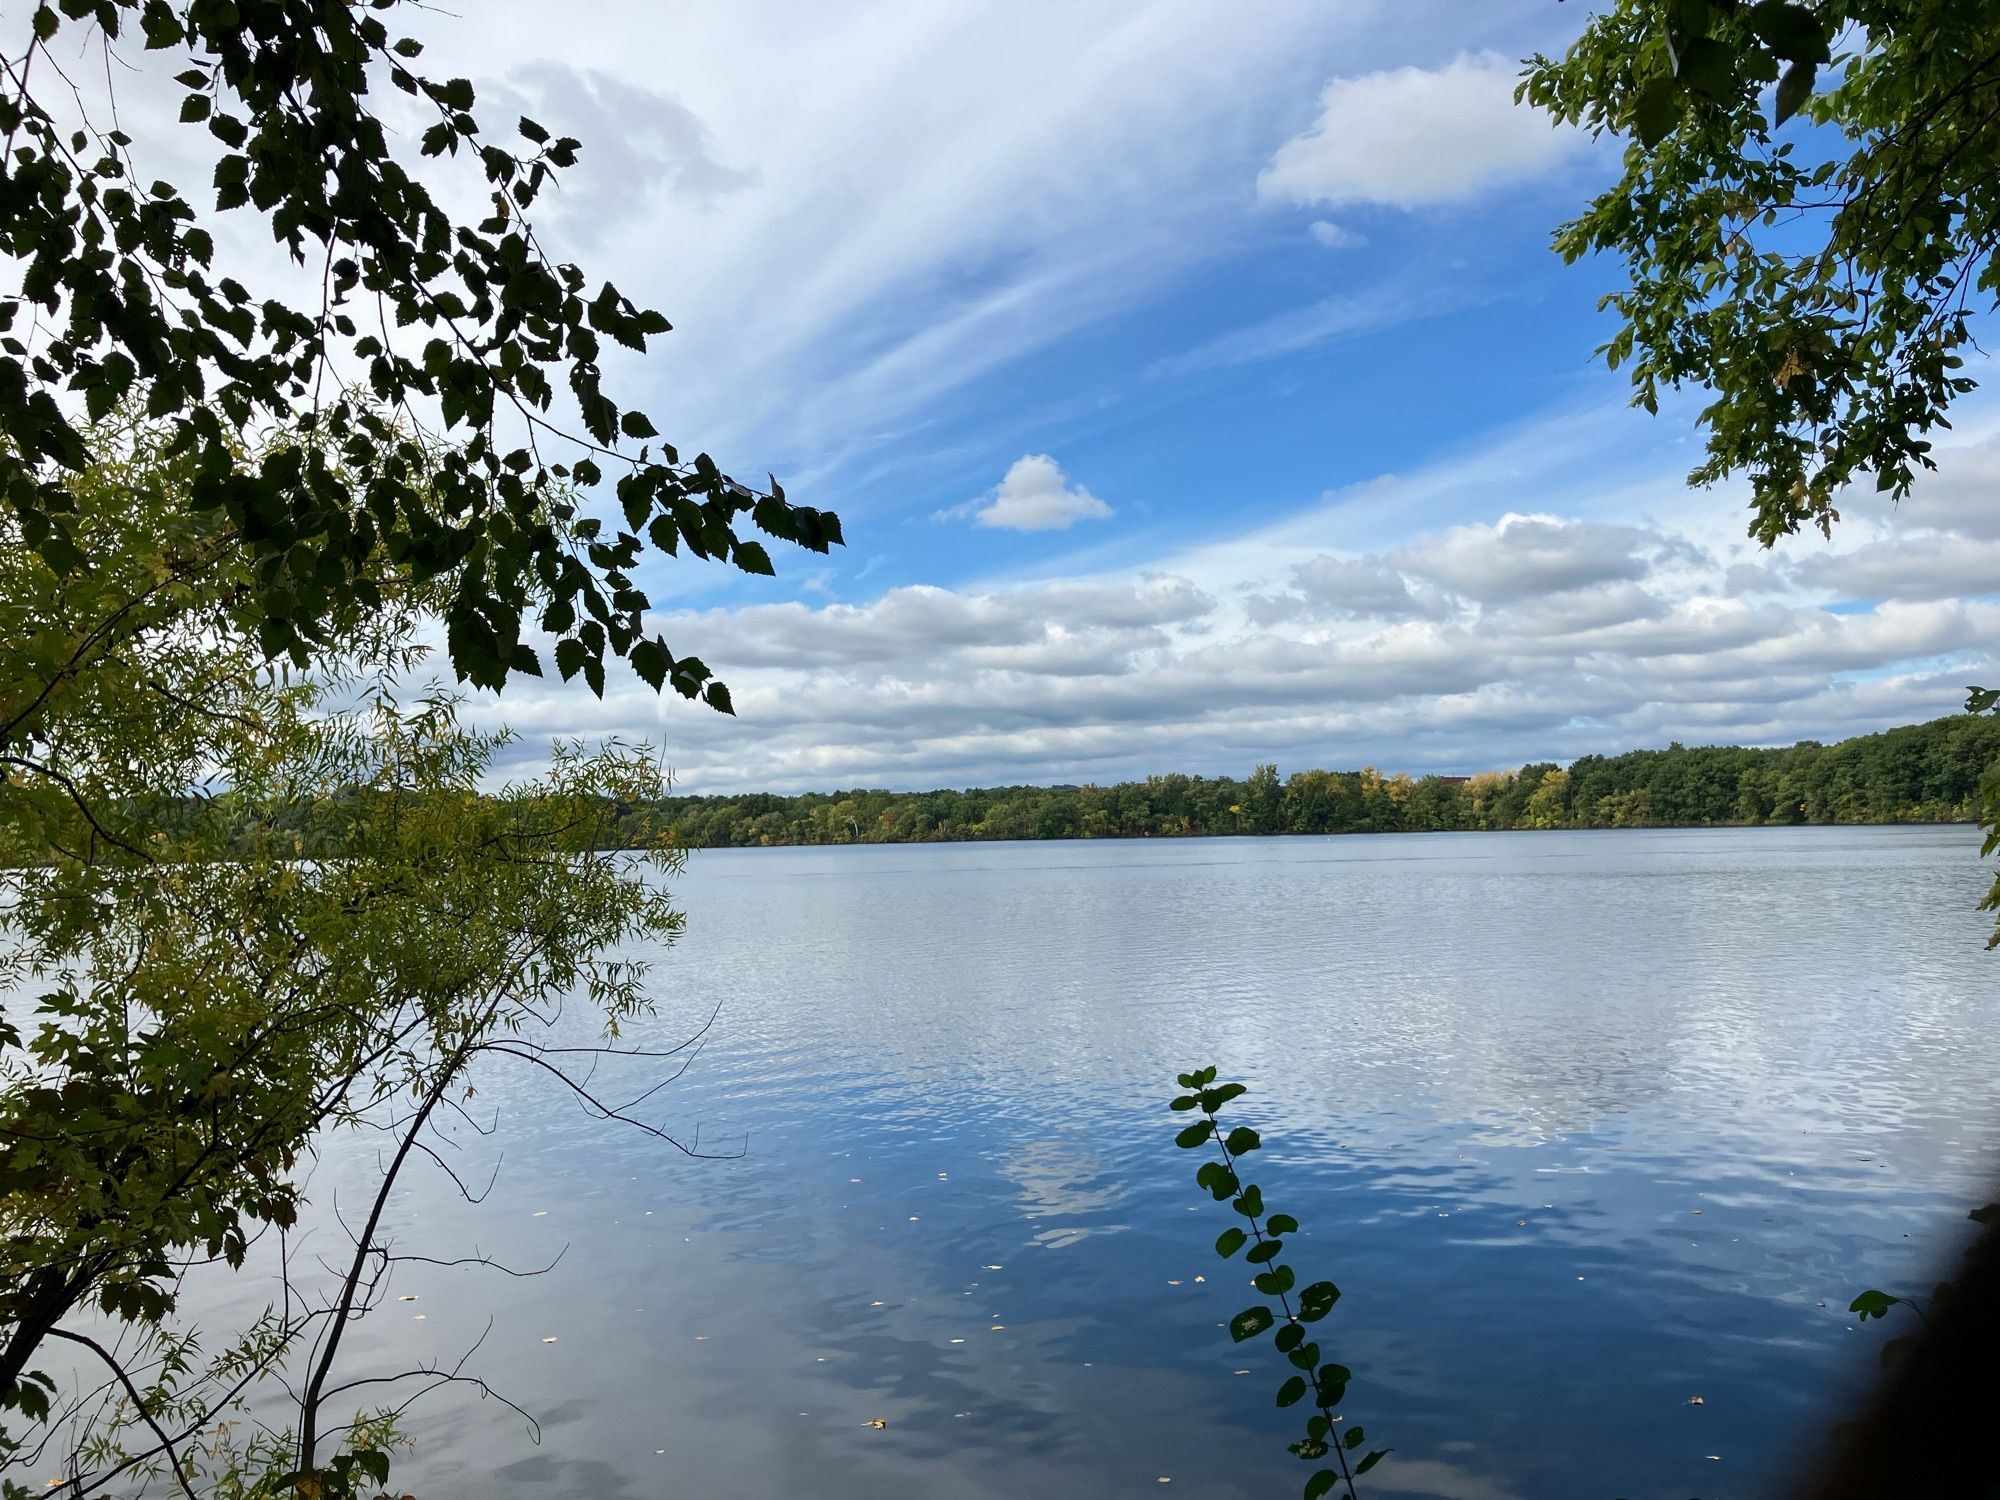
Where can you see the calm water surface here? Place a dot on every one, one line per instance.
(1584, 1124)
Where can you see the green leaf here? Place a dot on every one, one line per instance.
(1262, 1251)
(1289, 1338)
(1985, 1215)
(195, 108)
(1251, 1203)
(1793, 90)
(1657, 108)
(1320, 1483)
(1292, 1391)
(1709, 67)
(1185, 1101)
(1791, 31)
(1229, 1242)
(1194, 1135)
(1281, 1224)
(1241, 1139)
(1317, 1300)
(1356, 1436)
(635, 425)
(1275, 1282)
(1372, 1459)
(1872, 1304)
(1249, 1323)
(649, 660)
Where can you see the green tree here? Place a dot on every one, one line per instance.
(119, 293)
(1812, 256)
(1815, 260)
(246, 906)
(1263, 800)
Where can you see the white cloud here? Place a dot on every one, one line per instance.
(878, 204)
(1343, 587)
(1408, 137)
(1035, 496)
(1520, 556)
(1533, 636)
(645, 147)
(1334, 237)
(1926, 565)
(1332, 320)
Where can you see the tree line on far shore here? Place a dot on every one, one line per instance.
(1919, 773)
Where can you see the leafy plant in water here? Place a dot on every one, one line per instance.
(1264, 1231)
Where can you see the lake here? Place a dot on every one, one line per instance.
(1585, 1125)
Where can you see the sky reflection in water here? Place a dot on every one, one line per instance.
(1584, 1124)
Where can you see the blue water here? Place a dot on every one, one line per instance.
(1585, 1125)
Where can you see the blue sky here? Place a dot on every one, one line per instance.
(1197, 388)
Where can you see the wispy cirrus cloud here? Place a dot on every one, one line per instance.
(1331, 320)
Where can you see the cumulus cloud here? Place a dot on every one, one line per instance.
(1928, 565)
(1407, 137)
(1537, 635)
(1342, 587)
(1035, 495)
(1522, 555)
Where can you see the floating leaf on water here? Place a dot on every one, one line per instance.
(541, 1213)
(876, 1422)
(407, 1297)
(1694, 1401)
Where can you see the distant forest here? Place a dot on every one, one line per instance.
(1922, 773)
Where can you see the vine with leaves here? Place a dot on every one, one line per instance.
(1264, 1232)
